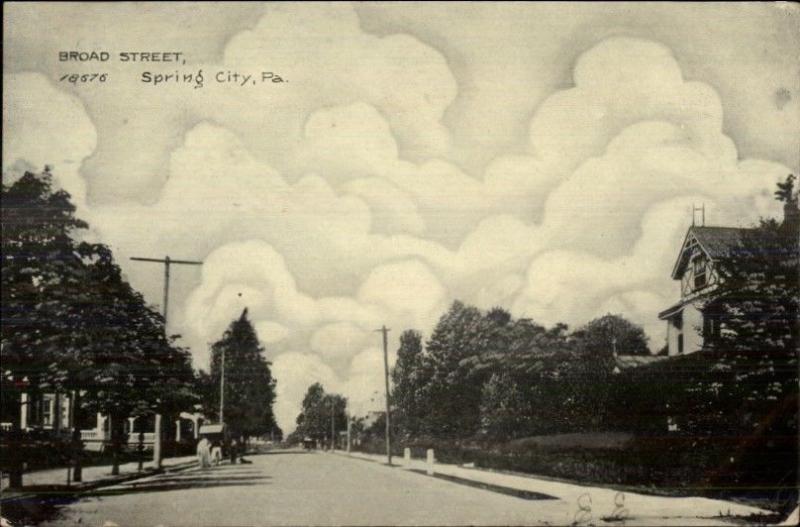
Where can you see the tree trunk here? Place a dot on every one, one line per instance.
(117, 431)
(15, 463)
(77, 444)
(15, 450)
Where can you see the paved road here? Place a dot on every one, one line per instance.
(295, 488)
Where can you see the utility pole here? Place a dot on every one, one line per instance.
(349, 429)
(385, 331)
(333, 425)
(222, 387)
(167, 261)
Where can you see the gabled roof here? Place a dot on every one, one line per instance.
(718, 243)
(624, 362)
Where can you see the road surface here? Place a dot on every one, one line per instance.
(297, 488)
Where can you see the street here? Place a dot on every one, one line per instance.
(298, 488)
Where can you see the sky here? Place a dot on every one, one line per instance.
(543, 157)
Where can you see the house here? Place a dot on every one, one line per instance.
(53, 413)
(693, 319)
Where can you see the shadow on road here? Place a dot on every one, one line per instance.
(224, 476)
(47, 503)
(277, 452)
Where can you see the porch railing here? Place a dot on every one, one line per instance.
(133, 437)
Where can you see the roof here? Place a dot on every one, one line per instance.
(719, 243)
(724, 242)
(671, 310)
(625, 362)
(211, 429)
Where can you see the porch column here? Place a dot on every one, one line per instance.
(99, 426)
(196, 426)
(23, 411)
(178, 430)
(66, 412)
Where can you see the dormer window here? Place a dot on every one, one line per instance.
(699, 272)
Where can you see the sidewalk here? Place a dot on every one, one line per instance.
(93, 477)
(602, 503)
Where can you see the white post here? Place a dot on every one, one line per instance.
(178, 430)
(196, 426)
(407, 457)
(99, 425)
(349, 427)
(157, 442)
(431, 460)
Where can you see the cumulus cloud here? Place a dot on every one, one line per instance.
(45, 126)
(295, 372)
(333, 204)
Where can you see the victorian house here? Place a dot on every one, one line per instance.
(692, 320)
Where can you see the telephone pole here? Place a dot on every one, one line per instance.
(385, 331)
(167, 261)
(333, 424)
(222, 387)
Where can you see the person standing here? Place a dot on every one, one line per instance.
(203, 453)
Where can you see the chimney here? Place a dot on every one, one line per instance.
(791, 216)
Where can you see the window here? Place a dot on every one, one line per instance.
(65, 412)
(680, 343)
(48, 405)
(699, 272)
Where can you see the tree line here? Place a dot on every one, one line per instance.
(72, 324)
(486, 375)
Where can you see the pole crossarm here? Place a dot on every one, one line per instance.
(166, 260)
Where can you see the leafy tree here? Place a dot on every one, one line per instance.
(71, 323)
(409, 377)
(454, 397)
(43, 279)
(756, 305)
(505, 409)
(611, 333)
(42, 272)
(592, 372)
(249, 386)
(314, 420)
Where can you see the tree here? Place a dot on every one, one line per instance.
(41, 271)
(612, 333)
(128, 367)
(505, 410)
(756, 349)
(409, 377)
(592, 373)
(454, 398)
(71, 323)
(320, 410)
(249, 386)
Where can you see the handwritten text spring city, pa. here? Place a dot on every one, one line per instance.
(199, 78)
